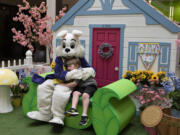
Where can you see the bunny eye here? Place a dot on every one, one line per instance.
(64, 45)
(72, 45)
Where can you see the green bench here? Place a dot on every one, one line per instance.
(111, 108)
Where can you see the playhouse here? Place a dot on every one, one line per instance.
(132, 33)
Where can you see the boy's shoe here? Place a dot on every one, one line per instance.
(84, 120)
(71, 112)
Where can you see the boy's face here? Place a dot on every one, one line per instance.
(72, 66)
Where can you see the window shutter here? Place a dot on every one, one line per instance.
(58, 42)
(82, 43)
(164, 57)
(132, 56)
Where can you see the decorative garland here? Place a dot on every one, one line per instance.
(105, 55)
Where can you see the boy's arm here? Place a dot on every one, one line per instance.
(70, 84)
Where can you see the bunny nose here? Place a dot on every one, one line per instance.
(67, 50)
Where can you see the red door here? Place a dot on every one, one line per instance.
(107, 70)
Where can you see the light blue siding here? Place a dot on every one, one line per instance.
(132, 56)
(163, 57)
(58, 42)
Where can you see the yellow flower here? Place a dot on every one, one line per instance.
(149, 72)
(165, 79)
(154, 77)
(53, 65)
(161, 73)
(133, 79)
(136, 72)
(124, 75)
(143, 76)
(140, 72)
(145, 72)
(128, 72)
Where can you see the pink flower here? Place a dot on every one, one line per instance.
(141, 98)
(61, 14)
(157, 97)
(35, 25)
(15, 18)
(148, 100)
(143, 102)
(146, 86)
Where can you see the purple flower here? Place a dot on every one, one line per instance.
(172, 76)
(175, 80)
(167, 86)
(32, 72)
(177, 83)
(22, 75)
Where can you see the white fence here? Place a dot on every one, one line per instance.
(26, 65)
(18, 64)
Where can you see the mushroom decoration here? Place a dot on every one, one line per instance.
(7, 78)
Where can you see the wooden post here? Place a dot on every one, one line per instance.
(51, 11)
(28, 62)
(3, 64)
(9, 64)
(28, 58)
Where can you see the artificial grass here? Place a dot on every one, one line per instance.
(15, 123)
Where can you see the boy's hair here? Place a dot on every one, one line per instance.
(74, 61)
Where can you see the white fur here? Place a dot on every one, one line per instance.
(74, 74)
(62, 34)
(88, 72)
(51, 102)
(77, 33)
(36, 115)
(56, 120)
(68, 40)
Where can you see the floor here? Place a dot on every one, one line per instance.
(15, 123)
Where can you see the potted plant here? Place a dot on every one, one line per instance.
(149, 87)
(16, 98)
(173, 89)
(19, 90)
(149, 92)
(151, 96)
(145, 77)
(170, 123)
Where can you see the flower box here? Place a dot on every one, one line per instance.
(169, 125)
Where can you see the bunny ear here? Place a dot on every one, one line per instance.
(77, 33)
(62, 34)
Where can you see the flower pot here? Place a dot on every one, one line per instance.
(150, 117)
(169, 125)
(151, 130)
(39, 54)
(175, 113)
(16, 101)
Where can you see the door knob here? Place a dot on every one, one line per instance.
(116, 69)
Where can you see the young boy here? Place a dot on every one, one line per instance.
(82, 88)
